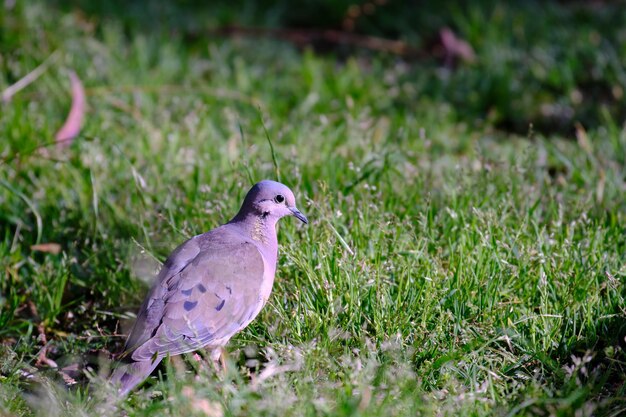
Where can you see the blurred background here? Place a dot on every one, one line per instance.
(507, 65)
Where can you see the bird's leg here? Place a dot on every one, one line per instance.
(223, 358)
(218, 356)
(201, 360)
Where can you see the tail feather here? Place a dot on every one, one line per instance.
(127, 375)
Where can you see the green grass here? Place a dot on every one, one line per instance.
(450, 267)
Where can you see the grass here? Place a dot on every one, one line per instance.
(450, 267)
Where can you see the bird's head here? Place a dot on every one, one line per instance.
(271, 199)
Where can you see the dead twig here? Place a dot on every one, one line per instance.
(29, 78)
(42, 357)
(304, 37)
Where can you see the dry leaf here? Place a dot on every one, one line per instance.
(74, 121)
(53, 248)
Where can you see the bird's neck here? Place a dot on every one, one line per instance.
(262, 229)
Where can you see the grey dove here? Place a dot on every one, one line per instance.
(211, 287)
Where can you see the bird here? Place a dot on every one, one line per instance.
(209, 288)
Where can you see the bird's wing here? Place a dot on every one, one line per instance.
(151, 311)
(210, 299)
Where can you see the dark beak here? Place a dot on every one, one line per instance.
(299, 215)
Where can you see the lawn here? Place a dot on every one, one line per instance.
(466, 252)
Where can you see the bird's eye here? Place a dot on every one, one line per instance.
(279, 198)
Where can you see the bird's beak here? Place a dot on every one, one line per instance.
(299, 215)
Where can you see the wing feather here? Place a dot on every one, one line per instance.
(205, 302)
(151, 311)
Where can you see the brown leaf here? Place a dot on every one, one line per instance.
(74, 121)
(53, 248)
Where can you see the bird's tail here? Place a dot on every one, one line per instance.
(127, 375)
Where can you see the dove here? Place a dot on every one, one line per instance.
(210, 287)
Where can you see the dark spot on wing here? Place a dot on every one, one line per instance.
(125, 378)
(230, 290)
(187, 292)
(201, 288)
(219, 307)
(190, 305)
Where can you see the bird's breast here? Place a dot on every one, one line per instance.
(268, 281)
